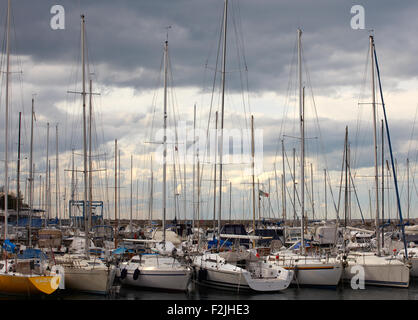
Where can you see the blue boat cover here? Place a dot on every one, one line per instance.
(31, 253)
(9, 246)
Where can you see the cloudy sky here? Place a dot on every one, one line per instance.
(125, 40)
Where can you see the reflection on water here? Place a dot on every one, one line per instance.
(196, 292)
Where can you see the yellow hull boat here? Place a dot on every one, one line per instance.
(28, 284)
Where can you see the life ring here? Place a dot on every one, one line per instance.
(123, 274)
(136, 274)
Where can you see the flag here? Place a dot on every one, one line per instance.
(261, 193)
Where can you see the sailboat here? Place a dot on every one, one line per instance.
(311, 270)
(379, 270)
(82, 272)
(155, 270)
(240, 269)
(16, 276)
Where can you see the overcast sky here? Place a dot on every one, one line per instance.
(125, 51)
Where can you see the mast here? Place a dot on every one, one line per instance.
(46, 175)
(284, 182)
(72, 176)
(49, 188)
(194, 163)
(407, 187)
(269, 215)
(116, 193)
(185, 189)
(165, 143)
(130, 221)
(325, 192)
(346, 178)
(6, 128)
(119, 179)
(230, 200)
(222, 114)
(302, 133)
(294, 185)
(376, 176)
(253, 178)
(383, 185)
(313, 203)
(214, 175)
(89, 156)
(86, 206)
(31, 176)
(58, 216)
(259, 201)
(18, 171)
(151, 194)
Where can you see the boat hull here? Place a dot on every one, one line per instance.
(96, 281)
(28, 285)
(387, 275)
(177, 280)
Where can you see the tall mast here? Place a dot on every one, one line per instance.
(18, 171)
(49, 189)
(376, 176)
(151, 194)
(259, 200)
(6, 128)
(194, 163)
(253, 178)
(230, 200)
(346, 178)
(184, 189)
(383, 185)
(325, 192)
(86, 210)
(116, 193)
(72, 176)
(269, 215)
(222, 115)
(302, 133)
(407, 187)
(214, 168)
(130, 221)
(57, 202)
(31, 175)
(312, 190)
(284, 182)
(294, 185)
(119, 179)
(165, 143)
(89, 156)
(46, 175)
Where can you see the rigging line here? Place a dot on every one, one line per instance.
(287, 98)
(234, 22)
(358, 124)
(316, 117)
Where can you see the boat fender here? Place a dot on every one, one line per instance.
(123, 274)
(136, 274)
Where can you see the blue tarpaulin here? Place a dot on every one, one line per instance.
(31, 253)
(214, 243)
(9, 246)
(297, 245)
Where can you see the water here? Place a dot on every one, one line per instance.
(196, 292)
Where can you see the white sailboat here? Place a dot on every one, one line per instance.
(311, 270)
(378, 269)
(222, 271)
(156, 270)
(82, 272)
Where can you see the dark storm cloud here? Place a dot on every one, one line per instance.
(127, 37)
